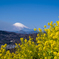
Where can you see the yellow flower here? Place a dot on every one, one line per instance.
(15, 43)
(40, 49)
(38, 41)
(44, 54)
(43, 38)
(46, 58)
(25, 40)
(57, 54)
(36, 46)
(51, 24)
(38, 53)
(21, 39)
(32, 42)
(54, 37)
(57, 33)
(0, 55)
(29, 42)
(3, 50)
(31, 57)
(25, 55)
(44, 48)
(0, 51)
(44, 34)
(50, 27)
(38, 35)
(45, 29)
(51, 35)
(44, 26)
(52, 45)
(35, 29)
(36, 38)
(58, 23)
(51, 41)
(48, 23)
(29, 37)
(8, 52)
(39, 38)
(56, 28)
(19, 44)
(54, 23)
(40, 29)
(51, 21)
(4, 57)
(55, 57)
(30, 51)
(1, 46)
(5, 45)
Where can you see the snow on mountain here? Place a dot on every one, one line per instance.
(19, 26)
(22, 28)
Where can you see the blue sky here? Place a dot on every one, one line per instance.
(30, 13)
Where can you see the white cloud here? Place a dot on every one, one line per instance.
(19, 25)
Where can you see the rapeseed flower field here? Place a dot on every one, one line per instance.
(46, 46)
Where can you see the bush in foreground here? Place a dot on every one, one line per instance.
(46, 46)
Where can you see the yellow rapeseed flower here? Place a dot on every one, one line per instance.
(0, 51)
(0, 54)
(57, 33)
(54, 23)
(36, 38)
(15, 43)
(38, 53)
(48, 23)
(35, 29)
(51, 21)
(50, 28)
(46, 58)
(3, 51)
(51, 35)
(19, 44)
(40, 29)
(55, 57)
(45, 30)
(44, 54)
(4, 57)
(29, 37)
(44, 34)
(58, 23)
(32, 42)
(51, 24)
(21, 39)
(30, 51)
(57, 54)
(5, 45)
(54, 37)
(56, 28)
(38, 34)
(44, 26)
(38, 41)
(25, 40)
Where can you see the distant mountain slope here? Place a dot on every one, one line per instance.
(26, 31)
(12, 37)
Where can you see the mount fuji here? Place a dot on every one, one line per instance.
(23, 29)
